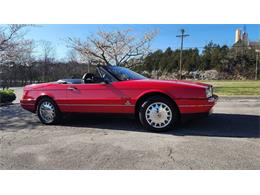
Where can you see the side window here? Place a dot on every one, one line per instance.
(107, 76)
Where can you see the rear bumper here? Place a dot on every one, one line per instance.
(28, 104)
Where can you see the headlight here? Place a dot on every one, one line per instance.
(209, 91)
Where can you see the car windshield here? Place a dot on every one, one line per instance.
(124, 74)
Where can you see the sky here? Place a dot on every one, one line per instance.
(200, 34)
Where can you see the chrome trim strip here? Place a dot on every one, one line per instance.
(185, 106)
(94, 105)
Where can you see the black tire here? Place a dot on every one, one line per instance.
(148, 103)
(57, 113)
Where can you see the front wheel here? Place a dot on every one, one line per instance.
(158, 114)
(48, 111)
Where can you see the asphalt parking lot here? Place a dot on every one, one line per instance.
(228, 139)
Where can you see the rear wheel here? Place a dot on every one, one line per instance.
(48, 111)
(158, 114)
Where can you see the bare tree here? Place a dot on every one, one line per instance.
(12, 47)
(113, 48)
(11, 38)
(26, 60)
(72, 56)
(10, 35)
(47, 50)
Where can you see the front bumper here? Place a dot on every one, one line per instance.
(190, 106)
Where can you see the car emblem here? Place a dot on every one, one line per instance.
(127, 103)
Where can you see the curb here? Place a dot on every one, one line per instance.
(239, 98)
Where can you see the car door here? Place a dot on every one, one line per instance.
(96, 98)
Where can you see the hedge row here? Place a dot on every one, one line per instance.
(7, 96)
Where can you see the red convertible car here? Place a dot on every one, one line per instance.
(159, 105)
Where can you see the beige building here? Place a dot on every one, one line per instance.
(242, 40)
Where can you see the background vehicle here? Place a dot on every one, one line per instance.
(159, 105)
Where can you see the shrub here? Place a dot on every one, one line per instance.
(7, 95)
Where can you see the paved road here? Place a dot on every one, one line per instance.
(229, 139)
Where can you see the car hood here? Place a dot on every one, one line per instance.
(182, 83)
(191, 83)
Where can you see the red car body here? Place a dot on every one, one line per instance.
(119, 97)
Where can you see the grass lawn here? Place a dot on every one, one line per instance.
(235, 88)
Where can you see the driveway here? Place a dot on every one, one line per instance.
(18, 92)
(228, 139)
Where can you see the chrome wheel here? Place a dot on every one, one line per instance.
(47, 111)
(158, 115)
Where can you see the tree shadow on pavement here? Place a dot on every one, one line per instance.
(217, 125)
(222, 125)
(14, 118)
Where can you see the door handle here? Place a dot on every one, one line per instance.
(72, 88)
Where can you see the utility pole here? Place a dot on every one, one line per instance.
(256, 63)
(182, 36)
